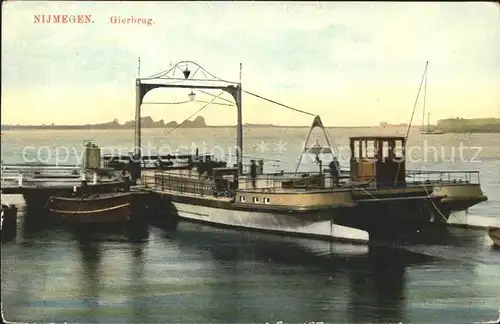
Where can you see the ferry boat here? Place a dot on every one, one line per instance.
(369, 201)
(375, 199)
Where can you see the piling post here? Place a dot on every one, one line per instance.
(9, 222)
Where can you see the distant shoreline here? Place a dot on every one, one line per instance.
(80, 128)
(83, 127)
(451, 125)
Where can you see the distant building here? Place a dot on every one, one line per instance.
(384, 124)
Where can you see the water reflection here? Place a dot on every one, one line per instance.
(90, 277)
(95, 245)
(202, 274)
(303, 284)
(139, 287)
(227, 276)
(381, 286)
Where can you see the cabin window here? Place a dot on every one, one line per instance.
(356, 150)
(242, 198)
(385, 149)
(256, 200)
(398, 149)
(370, 149)
(267, 200)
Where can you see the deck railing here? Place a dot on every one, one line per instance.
(36, 175)
(181, 182)
(420, 176)
(203, 186)
(177, 182)
(291, 180)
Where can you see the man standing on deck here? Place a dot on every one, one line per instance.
(334, 171)
(253, 172)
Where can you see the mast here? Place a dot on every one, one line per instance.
(239, 128)
(425, 96)
(139, 67)
(424, 78)
(138, 101)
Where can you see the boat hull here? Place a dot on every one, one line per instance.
(494, 234)
(459, 197)
(290, 223)
(105, 209)
(394, 219)
(36, 198)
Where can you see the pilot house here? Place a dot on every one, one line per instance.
(379, 161)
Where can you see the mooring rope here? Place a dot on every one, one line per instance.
(436, 207)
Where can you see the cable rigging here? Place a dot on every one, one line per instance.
(279, 104)
(424, 77)
(195, 113)
(416, 101)
(186, 101)
(215, 97)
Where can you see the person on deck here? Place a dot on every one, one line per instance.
(253, 172)
(334, 170)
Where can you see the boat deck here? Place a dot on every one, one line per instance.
(15, 178)
(97, 196)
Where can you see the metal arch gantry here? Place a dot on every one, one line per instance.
(161, 80)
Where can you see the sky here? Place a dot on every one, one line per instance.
(350, 63)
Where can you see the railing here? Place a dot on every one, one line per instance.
(157, 161)
(291, 180)
(177, 182)
(182, 182)
(34, 175)
(19, 175)
(418, 176)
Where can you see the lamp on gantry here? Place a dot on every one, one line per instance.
(191, 95)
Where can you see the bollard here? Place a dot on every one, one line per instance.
(126, 183)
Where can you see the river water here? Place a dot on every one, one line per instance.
(200, 274)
